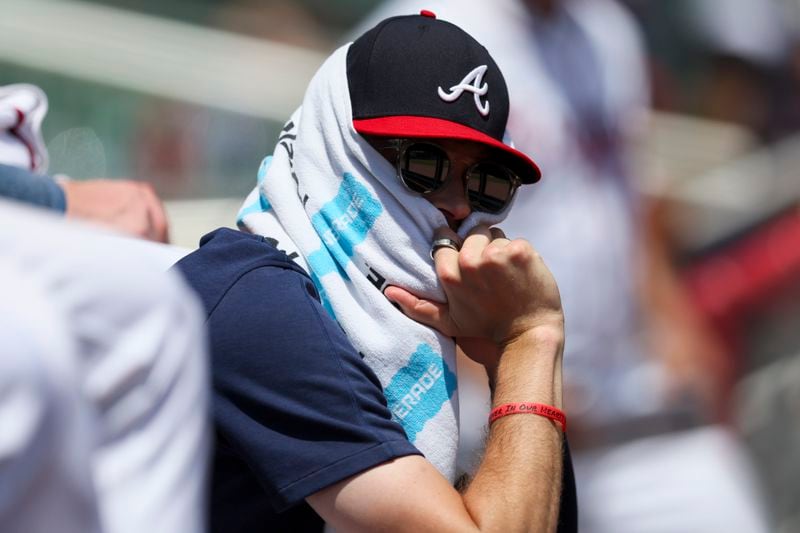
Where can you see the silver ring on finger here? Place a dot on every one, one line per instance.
(444, 242)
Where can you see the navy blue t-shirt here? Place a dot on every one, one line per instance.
(295, 407)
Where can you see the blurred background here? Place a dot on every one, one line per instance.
(190, 95)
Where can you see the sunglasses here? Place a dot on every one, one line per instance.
(424, 168)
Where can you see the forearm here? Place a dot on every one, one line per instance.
(503, 303)
(518, 484)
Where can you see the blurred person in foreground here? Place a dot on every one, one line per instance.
(130, 207)
(103, 384)
(334, 325)
(643, 378)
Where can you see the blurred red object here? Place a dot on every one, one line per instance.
(744, 275)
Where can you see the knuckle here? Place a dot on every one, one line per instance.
(448, 273)
(494, 255)
(468, 261)
(521, 251)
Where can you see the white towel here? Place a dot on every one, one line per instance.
(335, 205)
(22, 109)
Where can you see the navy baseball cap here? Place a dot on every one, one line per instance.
(419, 77)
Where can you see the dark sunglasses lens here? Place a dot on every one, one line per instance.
(489, 187)
(424, 167)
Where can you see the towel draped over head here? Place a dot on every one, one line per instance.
(335, 206)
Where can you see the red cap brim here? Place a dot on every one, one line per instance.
(405, 126)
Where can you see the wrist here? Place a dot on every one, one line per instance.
(546, 340)
(72, 196)
(531, 408)
(529, 368)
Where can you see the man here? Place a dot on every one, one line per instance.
(130, 207)
(103, 383)
(637, 367)
(327, 394)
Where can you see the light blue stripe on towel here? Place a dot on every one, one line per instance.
(345, 221)
(341, 224)
(419, 390)
(261, 205)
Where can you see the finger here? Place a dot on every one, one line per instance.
(498, 233)
(480, 229)
(429, 313)
(499, 239)
(155, 208)
(446, 259)
(446, 233)
(473, 246)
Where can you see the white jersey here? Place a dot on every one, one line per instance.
(104, 388)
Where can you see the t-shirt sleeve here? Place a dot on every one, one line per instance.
(23, 186)
(293, 398)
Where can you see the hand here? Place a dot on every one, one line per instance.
(131, 207)
(483, 351)
(500, 294)
(496, 289)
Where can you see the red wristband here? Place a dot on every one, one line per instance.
(530, 408)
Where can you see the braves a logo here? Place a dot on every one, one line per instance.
(472, 82)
